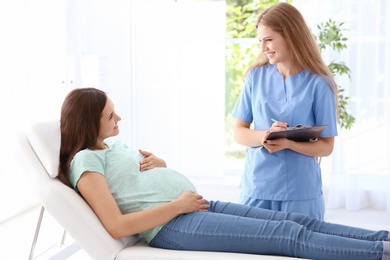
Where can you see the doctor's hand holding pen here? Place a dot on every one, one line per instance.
(278, 126)
(274, 146)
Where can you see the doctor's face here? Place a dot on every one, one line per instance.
(274, 45)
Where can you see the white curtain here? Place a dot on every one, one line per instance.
(357, 174)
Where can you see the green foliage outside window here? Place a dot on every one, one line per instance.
(241, 17)
(330, 36)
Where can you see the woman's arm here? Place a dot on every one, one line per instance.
(320, 148)
(94, 189)
(245, 136)
(250, 137)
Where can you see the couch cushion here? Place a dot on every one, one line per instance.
(142, 251)
(45, 139)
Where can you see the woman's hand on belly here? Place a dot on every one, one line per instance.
(150, 161)
(189, 202)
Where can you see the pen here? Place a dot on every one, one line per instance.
(274, 120)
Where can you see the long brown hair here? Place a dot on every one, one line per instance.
(289, 22)
(80, 123)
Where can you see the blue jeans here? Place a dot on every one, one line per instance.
(230, 227)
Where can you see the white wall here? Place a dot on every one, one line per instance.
(32, 79)
(162, 63)
(178, 80)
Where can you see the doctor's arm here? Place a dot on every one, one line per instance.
(321, 148)
(253, 138)
(94, 189)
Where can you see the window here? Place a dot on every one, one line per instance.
(359, 166)
(242, 47)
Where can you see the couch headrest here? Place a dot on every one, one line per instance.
(45, 139)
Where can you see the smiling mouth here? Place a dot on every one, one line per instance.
(270, 55)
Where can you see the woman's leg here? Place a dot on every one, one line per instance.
(310, 223)
(209, 231)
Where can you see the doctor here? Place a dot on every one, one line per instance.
(291, 83)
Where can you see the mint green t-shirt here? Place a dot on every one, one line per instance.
(132, 189)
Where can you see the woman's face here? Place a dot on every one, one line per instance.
(274, 45)
(108, 122)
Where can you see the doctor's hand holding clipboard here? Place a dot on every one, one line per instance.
(298, 133)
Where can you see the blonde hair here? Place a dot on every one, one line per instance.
(289, 22)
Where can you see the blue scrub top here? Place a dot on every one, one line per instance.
(304, 99)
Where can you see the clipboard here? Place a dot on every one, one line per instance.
(299, 133)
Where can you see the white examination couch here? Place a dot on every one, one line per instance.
(37, 152)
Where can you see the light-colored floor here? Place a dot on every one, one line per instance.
(16, 234)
